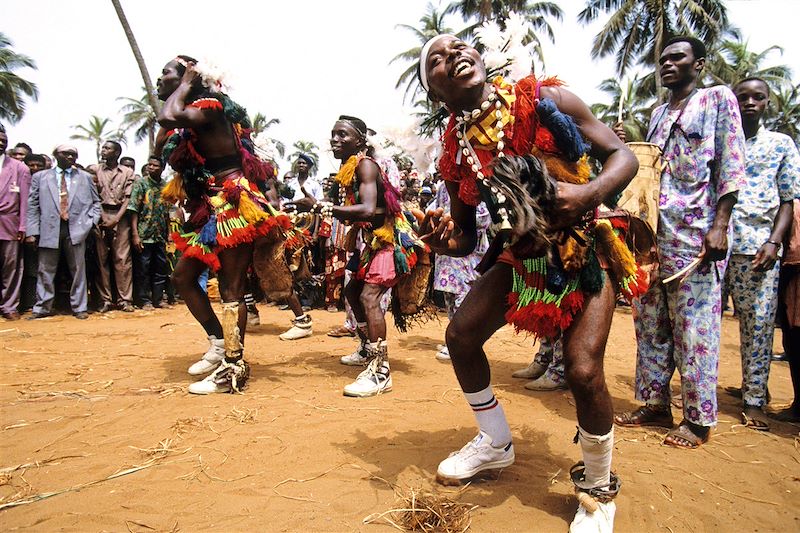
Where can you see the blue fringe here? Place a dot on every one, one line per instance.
(208, 235)
(400, 261)
(565, 132)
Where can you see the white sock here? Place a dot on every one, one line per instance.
(490, 416)
(596, 458)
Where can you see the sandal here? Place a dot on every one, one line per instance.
(683, 437)
(341, 331)
(646, 415)
(755, 418)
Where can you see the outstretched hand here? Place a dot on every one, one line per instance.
(436, 229)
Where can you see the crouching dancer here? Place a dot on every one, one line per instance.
(205, 137)
(546, 279)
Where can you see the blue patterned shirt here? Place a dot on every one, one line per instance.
(773, 177)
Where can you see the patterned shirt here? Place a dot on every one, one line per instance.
(145, 200)
(773, 177)
(455, 274)
(704, 159)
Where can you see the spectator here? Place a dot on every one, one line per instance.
(114, 183)
(678, 324)
(63, 205)
(15, 181)
(761, 219)
(35, 162)
(20, 152)
(149, 226)
(301, 181)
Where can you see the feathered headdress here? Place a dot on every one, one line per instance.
(504, 51)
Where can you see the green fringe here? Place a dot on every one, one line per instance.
(591, 276)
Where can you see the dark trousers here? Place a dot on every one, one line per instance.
(152, 272)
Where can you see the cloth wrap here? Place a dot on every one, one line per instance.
(549, 288)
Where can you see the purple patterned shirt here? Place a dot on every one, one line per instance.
(704, 159)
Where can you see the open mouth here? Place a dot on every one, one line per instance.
(459, 67)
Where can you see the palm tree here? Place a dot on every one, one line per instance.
(637, 29)
(308, 148)
(732, 61)
(785, 113)
(139, 114)
(431, 24)
(95, 131)
(260, 123)
(13, 88)
(636, 107)
(137, 54)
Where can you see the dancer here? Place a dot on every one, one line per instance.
(372, 204)
(205, 138)
(570, 294)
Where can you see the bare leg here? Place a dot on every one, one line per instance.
(184, 279)
(234, 263)
(294, 304)
(584, 347)
(370, 299)
(352, 291)
(480, 315)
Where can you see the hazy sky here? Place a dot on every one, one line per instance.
(302, 61)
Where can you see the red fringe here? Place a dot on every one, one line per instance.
(195, 252)
(206, 103)
(247, 234)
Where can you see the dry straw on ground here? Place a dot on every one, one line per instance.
(427, 512)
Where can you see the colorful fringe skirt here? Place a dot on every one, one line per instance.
(238, 213)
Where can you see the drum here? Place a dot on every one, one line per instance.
(640, 197)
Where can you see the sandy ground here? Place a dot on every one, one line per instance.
(84, 400)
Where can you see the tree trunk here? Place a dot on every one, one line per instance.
(148, 83)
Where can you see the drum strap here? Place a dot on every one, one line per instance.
(675, 125)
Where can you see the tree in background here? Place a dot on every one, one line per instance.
(783, 114)
(98, 130)
(636, 31)
(13, 88)
(261, 123)
(137, 54)
(139, 115)
(308, 148)
(732, 61)
(636, 107)
(431, 24)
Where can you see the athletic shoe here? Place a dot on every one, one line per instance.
(375, 379)
(252, 316)
(443, 354)
(357, 358)
(228, 377)
(301, 327)
(600, 521)
(477, 455)
(211, 359)
(545, 383)
(532, 371)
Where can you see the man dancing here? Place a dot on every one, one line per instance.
(571, 293)
(205, 138)
(372, 204)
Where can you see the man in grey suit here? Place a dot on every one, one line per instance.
(63, 207)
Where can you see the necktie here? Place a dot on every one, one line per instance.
(64, 196)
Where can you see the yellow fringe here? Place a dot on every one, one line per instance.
(573, 254)
(564, 171)
(385, 233)
(249, 210)
(173, 191)
(345, 175)
(619, 256)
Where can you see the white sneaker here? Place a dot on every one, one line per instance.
(212, 358)
(357, 358)
(375, 379)
(477, 455)
(228, 377)
(443, 354)
(301, 328)
(253, 319)
(600, 521)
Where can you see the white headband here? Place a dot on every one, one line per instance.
(423, 58)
